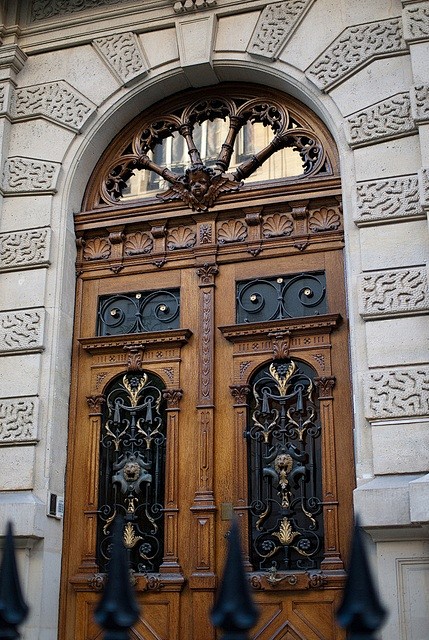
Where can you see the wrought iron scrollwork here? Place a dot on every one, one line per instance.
(291, 296)
(138, 312)
(284, 451)
(132, 460)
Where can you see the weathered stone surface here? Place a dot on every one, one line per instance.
(398, 393)
(26, 175)
(56, 101)
(384, 200)
(416, 21)
(390, 118)
(393, 292)
(355, 47)
(123, 54)
(42, 9)
(275, 26)
(21, 330)
(24, 249)
(420, 103)
(424, 187)
(18, 420)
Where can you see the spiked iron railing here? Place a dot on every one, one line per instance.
(360, 614)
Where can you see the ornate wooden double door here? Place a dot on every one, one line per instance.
(211, 379)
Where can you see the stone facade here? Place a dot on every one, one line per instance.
(72, 74)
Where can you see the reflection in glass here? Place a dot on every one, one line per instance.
(208, 138)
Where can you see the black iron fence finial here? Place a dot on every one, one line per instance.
(117, 609)
(13, 608)
(361, 612)
(234, 611)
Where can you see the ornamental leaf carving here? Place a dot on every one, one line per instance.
(232, 231)
(181, 238)
(97, 249)
(324, 220)
(277, 225)
(138, 243)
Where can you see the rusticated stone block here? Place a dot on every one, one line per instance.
(275, 26)
(355, 47)
(21, 330)
(393, 292)
(123, 54)
(42, 9)
(384, 200)
(399, 393)
(18, 420)
(24, 249)
(420, 103)
(416, 21)
(56, 101)
(390, 118)
(26, 175)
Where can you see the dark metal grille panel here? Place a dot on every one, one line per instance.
(291, 296)
(132, 469)
(137, 312)
(284, 453)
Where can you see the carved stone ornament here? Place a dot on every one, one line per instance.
(123, 54)
(24, 249)
(393, 292)
(21, 330)
(25, 175)
(42, 9)
(398, 393)
(390, 118)
(276, 24)
(416, 22)
(56, 101)
(420, 103)
(183, 6)
(385, 200)
(199, 187)
(355, 47)
(18, 420)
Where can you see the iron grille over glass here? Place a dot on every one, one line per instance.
(292, 296)
(284, 453)
(138, 312)
(132, 469)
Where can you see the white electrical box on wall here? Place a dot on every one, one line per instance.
(56, 506)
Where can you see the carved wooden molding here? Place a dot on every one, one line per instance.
(172, 337)
(313, 324)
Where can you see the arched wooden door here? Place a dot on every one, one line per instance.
(210, 368)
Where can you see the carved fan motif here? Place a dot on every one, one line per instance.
(181, 238)
(97, 249)
(324, 220)
(138, 243)
(232, 231)
(277, 225)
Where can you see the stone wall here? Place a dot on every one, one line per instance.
(72, 74)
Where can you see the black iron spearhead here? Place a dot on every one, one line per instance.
(234, 611)
(117, 610)
(13, 609)
(361, 612)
